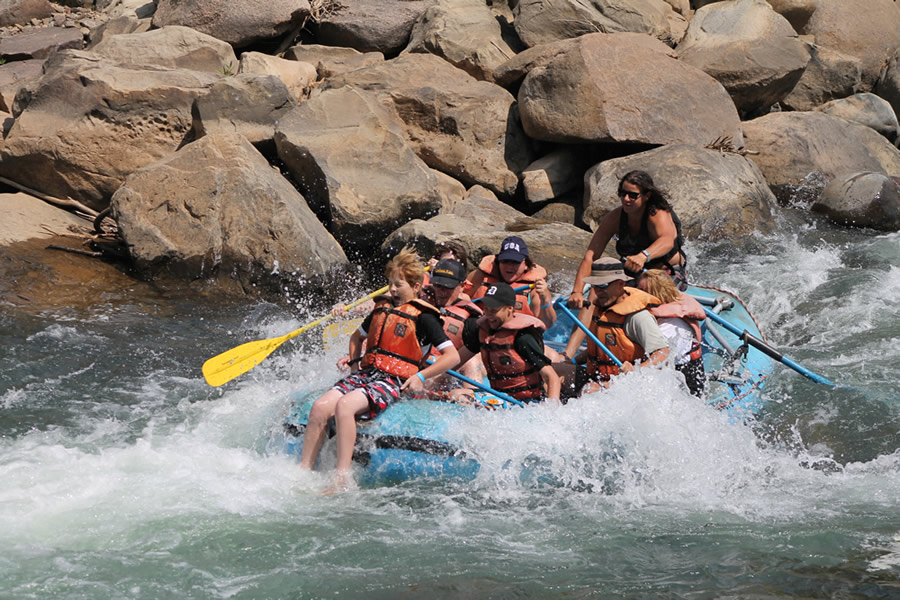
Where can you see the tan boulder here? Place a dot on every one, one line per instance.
(799, 152)
(542, 21)
(888, 86)
(173, 46)
(862, 200)
(216, 208)
(88, 123)
(238, 23)
(553, 174)
(39, 43)
(866, 29)
(466, 128)
(866, 109)
(465, 33)
(601, 89)
(716, 195)
(828, 75)
(370, 25)
(15, 76)
(350, 158)
(330, 60)
(797, 12)
(298, 76)
(26, 217)
(749, 48)
(20, 12)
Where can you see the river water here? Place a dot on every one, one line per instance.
(123, 475)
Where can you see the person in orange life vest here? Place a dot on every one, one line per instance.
(512, 265)
(459, 314)
(399, 333)
(679, 318)
(511, 346)
(648, 236)
(621, 320)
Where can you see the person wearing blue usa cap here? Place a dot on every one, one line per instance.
(513, 265)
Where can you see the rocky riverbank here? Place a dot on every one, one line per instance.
(260, 147)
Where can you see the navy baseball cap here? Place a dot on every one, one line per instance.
(513, 248)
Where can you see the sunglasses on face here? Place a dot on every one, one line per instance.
(631, 195)
(600, 286)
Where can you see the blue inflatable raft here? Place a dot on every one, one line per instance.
(417, 438)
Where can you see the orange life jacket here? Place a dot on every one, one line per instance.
(507, 370)
(392, 346)
(455, 317)
(691, 311)
(609, 327)
(491, 271)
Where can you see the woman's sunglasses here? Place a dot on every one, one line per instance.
(631, 195)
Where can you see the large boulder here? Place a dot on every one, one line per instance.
(797, 12)
(866, 109)
(802, 151)
(543, 21)
(216, 208)
(466, 128)
(749, 48)
(350, 158)
(601, 88)
(298, 76)
(862, 200)
(553, 174)
(172, 46)
(248, 104)
(465, 33)
(39, 43)
(480, 222)
(238, 23)
(19, 12)
(717, 195)
(15, 76)
(511, 73)
(371, 25)
(828, 75)
(88, 123)
(330, 60)
(866, 29)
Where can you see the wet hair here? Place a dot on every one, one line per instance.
(453, 247)
(409, 265)
(656, 198)
(660, 284)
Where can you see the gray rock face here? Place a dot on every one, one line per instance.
(749, 48)
(298, 76)
(238, 23)
(15, 76)
(216, 208)
(866, 29)
(40, 43)
(552, 175)
(862, 200)
(481, 222)
(600, 88)
(350, 158)
(716, 195)
(828, 75)
(88, 123)
(247, 104)
(172, 46)
(19, 12)
(798, 147)
(330, 60)
(866, 109)
(466, 128)
(543, 21)
(465, 33)
(372, 25)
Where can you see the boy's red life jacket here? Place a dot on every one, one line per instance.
(491, 271)
(392, 345)
(609, 327)
(691, 311)
(507, 370)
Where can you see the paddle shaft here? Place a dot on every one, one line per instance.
(484, 388)
(561, 305)
(766, 349)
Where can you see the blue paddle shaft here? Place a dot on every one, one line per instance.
(481, 386)
(766, 349)
(561, 305)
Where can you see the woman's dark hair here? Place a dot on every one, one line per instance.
(656, 198)
(455, 248)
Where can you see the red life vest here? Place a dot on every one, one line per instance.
(491, 271)
(609, 327)
(507, 370)
(392, 345)
(691, 311)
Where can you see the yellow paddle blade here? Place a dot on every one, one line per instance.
(337, 332)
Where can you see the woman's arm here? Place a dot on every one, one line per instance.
(607, 228)
(663, 232)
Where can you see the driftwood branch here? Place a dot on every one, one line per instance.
(68, 202)
(75, 251)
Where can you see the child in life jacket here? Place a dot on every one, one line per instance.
(679, 318)
(399, 332)
(512, 265)
(511, 347)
